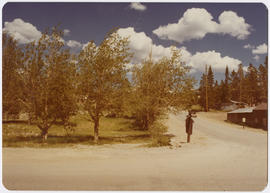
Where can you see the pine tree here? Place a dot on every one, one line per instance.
(202, 99)
(217, 96)
(263, 80)
(252, 94)
(210, 78)
(235, 85)
(240, 73)
(226, 95)
(223, 91)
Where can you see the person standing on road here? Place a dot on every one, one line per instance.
(189, 125)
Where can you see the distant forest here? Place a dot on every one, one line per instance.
(248, 87)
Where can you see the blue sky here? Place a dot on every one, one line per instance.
(216, 34)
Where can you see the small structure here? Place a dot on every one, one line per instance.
(260, 116)
(237, 115)
(252, 116)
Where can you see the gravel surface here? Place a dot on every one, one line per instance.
(221, 156)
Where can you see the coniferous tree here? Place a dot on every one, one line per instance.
(252, 92)
(223, 92)
(217, 96)
(240, 73)
(202, 91)
(234, 86)
(263, 80)
(210, 78)
(226, 95)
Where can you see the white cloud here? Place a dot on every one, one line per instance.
(197, 22)
(74, 44)
(256, 58)
(248, 46)
(137, 6)
(213, 58)
(140, 44)
(261, 49)
(22, 31)
(231, 23)
(66, 32)
(194, 24)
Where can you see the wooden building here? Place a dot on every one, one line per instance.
(260, 114)
(250, 116)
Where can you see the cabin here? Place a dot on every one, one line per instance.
(239, 115)
(250, 116)
(260, 114)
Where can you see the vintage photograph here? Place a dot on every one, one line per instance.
(134, 96)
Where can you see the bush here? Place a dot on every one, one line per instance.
(157, 132)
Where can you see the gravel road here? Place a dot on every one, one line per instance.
(221, 156)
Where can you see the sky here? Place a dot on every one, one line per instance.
(216, 34)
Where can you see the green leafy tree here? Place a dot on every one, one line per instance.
(161, 87)
(47, 77)
(103, 76)
(11, 85)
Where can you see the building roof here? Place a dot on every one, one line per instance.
(262, 106)
(243, 110)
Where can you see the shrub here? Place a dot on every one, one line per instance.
(159, 138)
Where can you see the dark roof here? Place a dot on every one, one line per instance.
(262, 106)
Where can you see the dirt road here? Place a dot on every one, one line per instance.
(221, 156)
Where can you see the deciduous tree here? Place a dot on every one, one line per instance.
(47, 78)
(102, 76)
(11, 85)
(161, 86)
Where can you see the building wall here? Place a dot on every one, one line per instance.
(260, 119)
(256, 119)
(237, 118)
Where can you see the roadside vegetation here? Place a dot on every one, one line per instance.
(92, 97)
(87, 98)
(112, 130)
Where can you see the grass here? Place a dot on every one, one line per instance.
(111, 131)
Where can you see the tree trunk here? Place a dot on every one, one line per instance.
(96, 127)
(146, 123)
(44, 134)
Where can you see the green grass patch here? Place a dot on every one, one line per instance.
(111, 131)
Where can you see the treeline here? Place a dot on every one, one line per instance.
(50, 84)
(248, 87)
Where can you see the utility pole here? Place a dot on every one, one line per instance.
(206, 90)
